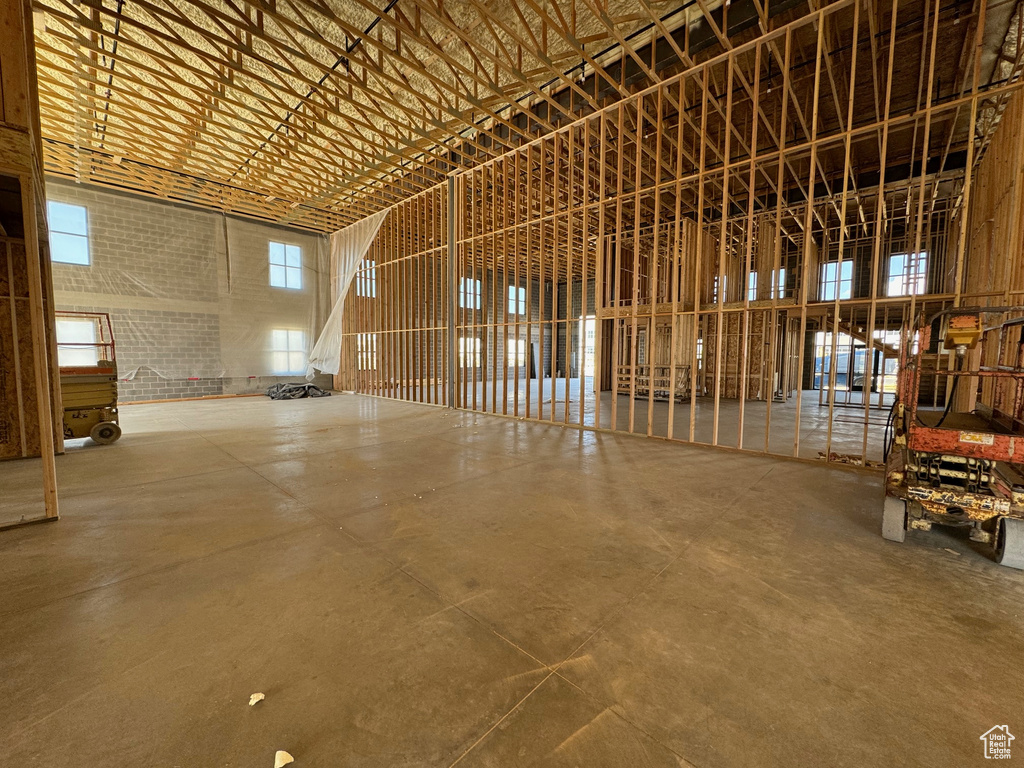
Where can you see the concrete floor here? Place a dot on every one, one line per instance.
(411, 586)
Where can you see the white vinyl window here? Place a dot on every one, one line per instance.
(69, 233)
(76, 342)
(366, 347)
(469, 353)
(780, 284)
(908, 273)
(285, 266)
(516, 300)
(516, 352)
(366, 279)
(469, 293)
(287, 352)
(752, 286)
(836, 279)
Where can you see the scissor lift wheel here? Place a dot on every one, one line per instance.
(105, 432)
(1010, 547)
(894, 519)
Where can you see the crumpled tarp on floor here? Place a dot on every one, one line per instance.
(295, 391)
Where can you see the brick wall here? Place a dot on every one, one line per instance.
(188, 293)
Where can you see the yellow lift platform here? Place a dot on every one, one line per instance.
(88, 376)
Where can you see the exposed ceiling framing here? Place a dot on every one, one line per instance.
(315, 113)
(318, 112)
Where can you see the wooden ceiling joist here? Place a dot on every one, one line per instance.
(316, 113)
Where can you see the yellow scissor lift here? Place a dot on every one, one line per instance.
(88, 376)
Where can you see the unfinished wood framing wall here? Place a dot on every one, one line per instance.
(29, 389)
(744, 236)
(396, 315)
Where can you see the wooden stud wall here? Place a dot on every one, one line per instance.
(832, 140)
(29, 394)
(396, 317)
(994, 271)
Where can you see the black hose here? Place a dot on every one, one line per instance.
(889, 436)
(886, 440)
(949, 403)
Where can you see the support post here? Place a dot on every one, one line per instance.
(452, 289)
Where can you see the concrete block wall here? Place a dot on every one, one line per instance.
(188, 293)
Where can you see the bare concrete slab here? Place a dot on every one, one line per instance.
(412, 586)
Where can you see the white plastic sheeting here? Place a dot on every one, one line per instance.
(348, 246)
(189, 291)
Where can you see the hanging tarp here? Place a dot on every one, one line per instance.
(348, 246)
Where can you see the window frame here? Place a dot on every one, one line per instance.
(913, 277)
(366, 351)
(84, 236)
(779, 289)
(288, 351)
(366, 279)
(515, 355)
(290, 272)
(517, 300)
(91, 347)
(475, 294)
(474, 350)
(829, 288)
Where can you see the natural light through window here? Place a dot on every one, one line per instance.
(516, 300)
(69, 233)
(516, 352)
(76, 342)
(780, 284)
(469, 293)
(752, 286)
(366, 347)
(285, 266)
(469, 353)
(908, 274)
(287, 352)
(366, 279)
(836, 280)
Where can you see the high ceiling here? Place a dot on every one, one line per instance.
(317, 112)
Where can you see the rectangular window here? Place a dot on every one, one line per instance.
(714, 289)
(836, 279)
(366, 347)
(516, 352)
(366, 279)
(780, 284)
(752, 286)
(285, 266)
(516, 300)
(469, 353)
(76, 342)
(287, 352)
(69, 233)
(469, 293)
(908, 274)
